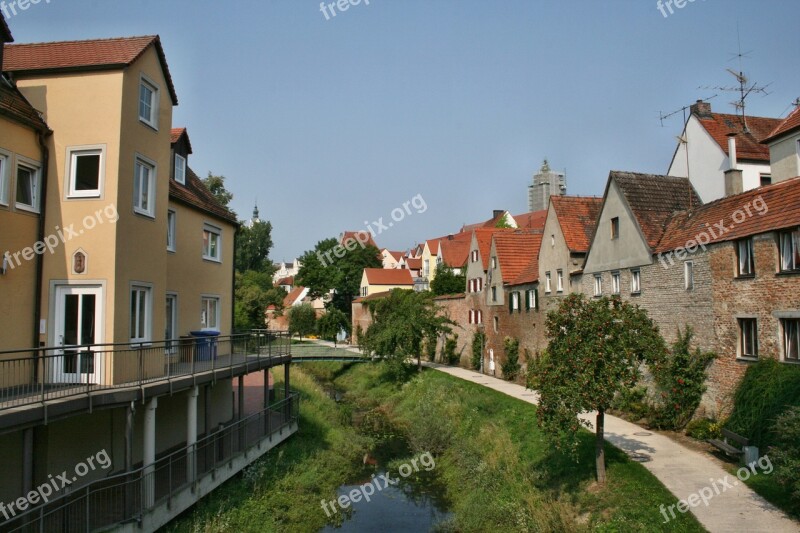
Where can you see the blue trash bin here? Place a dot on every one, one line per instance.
(205, 344)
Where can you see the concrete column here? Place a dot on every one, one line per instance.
(191, 433)
(149, 455)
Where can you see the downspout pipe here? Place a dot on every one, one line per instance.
(39, 289)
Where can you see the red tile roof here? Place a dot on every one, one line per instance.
(195, 194)
(577, 217)
(14, 106)
(286, 281)
(748, 145)
(414, 263)
(175, 135)
(529, 274)
(779, 203)
(374, 296)
(292, 297)
(99, 54)
(455, 249)
(355, 235)
(397, 256)
(459, 296)
(532, 220)
(655, 199)
(791, 123)
(515, 251)
(388, 276)
(433, 246)
(483, 236)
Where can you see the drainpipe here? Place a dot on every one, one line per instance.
(37, 308)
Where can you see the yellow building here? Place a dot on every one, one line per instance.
(136, 254)
(374, 280)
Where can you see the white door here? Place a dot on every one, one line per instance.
(77, 325)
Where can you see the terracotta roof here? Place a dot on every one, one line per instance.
(491, 223)
(792, 122)
(780, 208)
(5, 33)
(388, 276)
(515, 251)
(375, 296)
(354, 235)
(195, 194)
(532, 220)
(483, 236)
(433, 246)
(99, 54)
(414, 263)
(748, 145)
(653, 199)
(14, 106)
(529, 274)
(293, 296)
(459, 296)
(455, 250)
(397, 256)
(286, 281)
(577, 217)
(175, 135)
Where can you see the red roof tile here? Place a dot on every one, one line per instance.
(748, 145)
(577, 217)
(532, 220)
(483, 236)
(414, 263)
(655, 199)
(433, 246)
(196, 195)
(791, 123)
(99, 54)
(286, 281)
(14, 106)
(459, 296)
(368, 240)
(397, 256)
(388, 276)
(175, 135)
(455, 249)
(780, 208)
(515, 251)
(529, 274)
(292, 297)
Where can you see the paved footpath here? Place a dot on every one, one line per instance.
(683, 471)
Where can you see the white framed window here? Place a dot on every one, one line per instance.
(748, 337)
(171, 220)
(141, 314)
(144, 187)
(180, 169)
(598, 285)
(209, 313)
(636, 281)
(615, 283)
(531, 299)
(471, 316)
(426, 267)
(480, 316)
(28, 185)
(86, 172)
(744, 255)
(547, 281)
(790, 250)
(688, 275)
(148, 102)
(515, 301)
(5, 163)
(212, 243)
(790, 327)
(560, 280)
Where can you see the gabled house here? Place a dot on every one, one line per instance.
(712, 143)
(784, 148)
(375, 280)
(286, 269)
(391, 259)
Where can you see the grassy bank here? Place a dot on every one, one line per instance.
(498, 471)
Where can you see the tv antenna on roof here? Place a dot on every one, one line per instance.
(662, 116)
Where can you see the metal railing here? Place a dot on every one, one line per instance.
(127, 497)
(38, 375)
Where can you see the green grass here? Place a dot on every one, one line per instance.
(498, 471)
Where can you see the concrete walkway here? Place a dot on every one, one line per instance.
(683, 471)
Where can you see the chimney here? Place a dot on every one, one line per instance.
(450, 237)
(497, 212)
(701, 109)
(732, 162)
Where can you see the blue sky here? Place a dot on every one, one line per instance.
(331, 123)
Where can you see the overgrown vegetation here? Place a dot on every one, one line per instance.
(447, 281)
(786, 452)
(478, 342)
(511, 366)
(302, 320)
(331, 324)
(704, 429)
(449, 354)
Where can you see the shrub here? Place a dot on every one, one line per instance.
(786, 452)
(768, 390)
(704, 429)
(681, 378)
(511, 366)
(632, 401)
(430, 348)
(449, 355)
(478, 341)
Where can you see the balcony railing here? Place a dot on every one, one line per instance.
(129, 497)
(42, 375)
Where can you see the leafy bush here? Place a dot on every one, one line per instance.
(430, 348)
(449, 355)
(632, 401)
(681, 378)
(511, 366)
(704, 429)
(786, 452)
(768, 390)
(478, 341)
(302, 320)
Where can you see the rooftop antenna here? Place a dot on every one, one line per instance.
(683, 137)
(745, 88)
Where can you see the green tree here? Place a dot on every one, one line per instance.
(504, 223)
(511, 366)
(253, 294)
(329, 266)
(216, 185)
(478, 342)
(400, 323)
(331, 323)
(448, 282)
(302, 320)
(594, 352)
(253, 244)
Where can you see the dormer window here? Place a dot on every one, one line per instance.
(180, 169)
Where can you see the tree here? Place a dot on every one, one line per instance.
(447, 281)
(400, 323)
(511, 366)
(216, 185)
(253, 294)
(329, 266)
(504, 223)
(478, 342)
(595, 350)
(331, 323)
(253, 244)
(302, 319)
